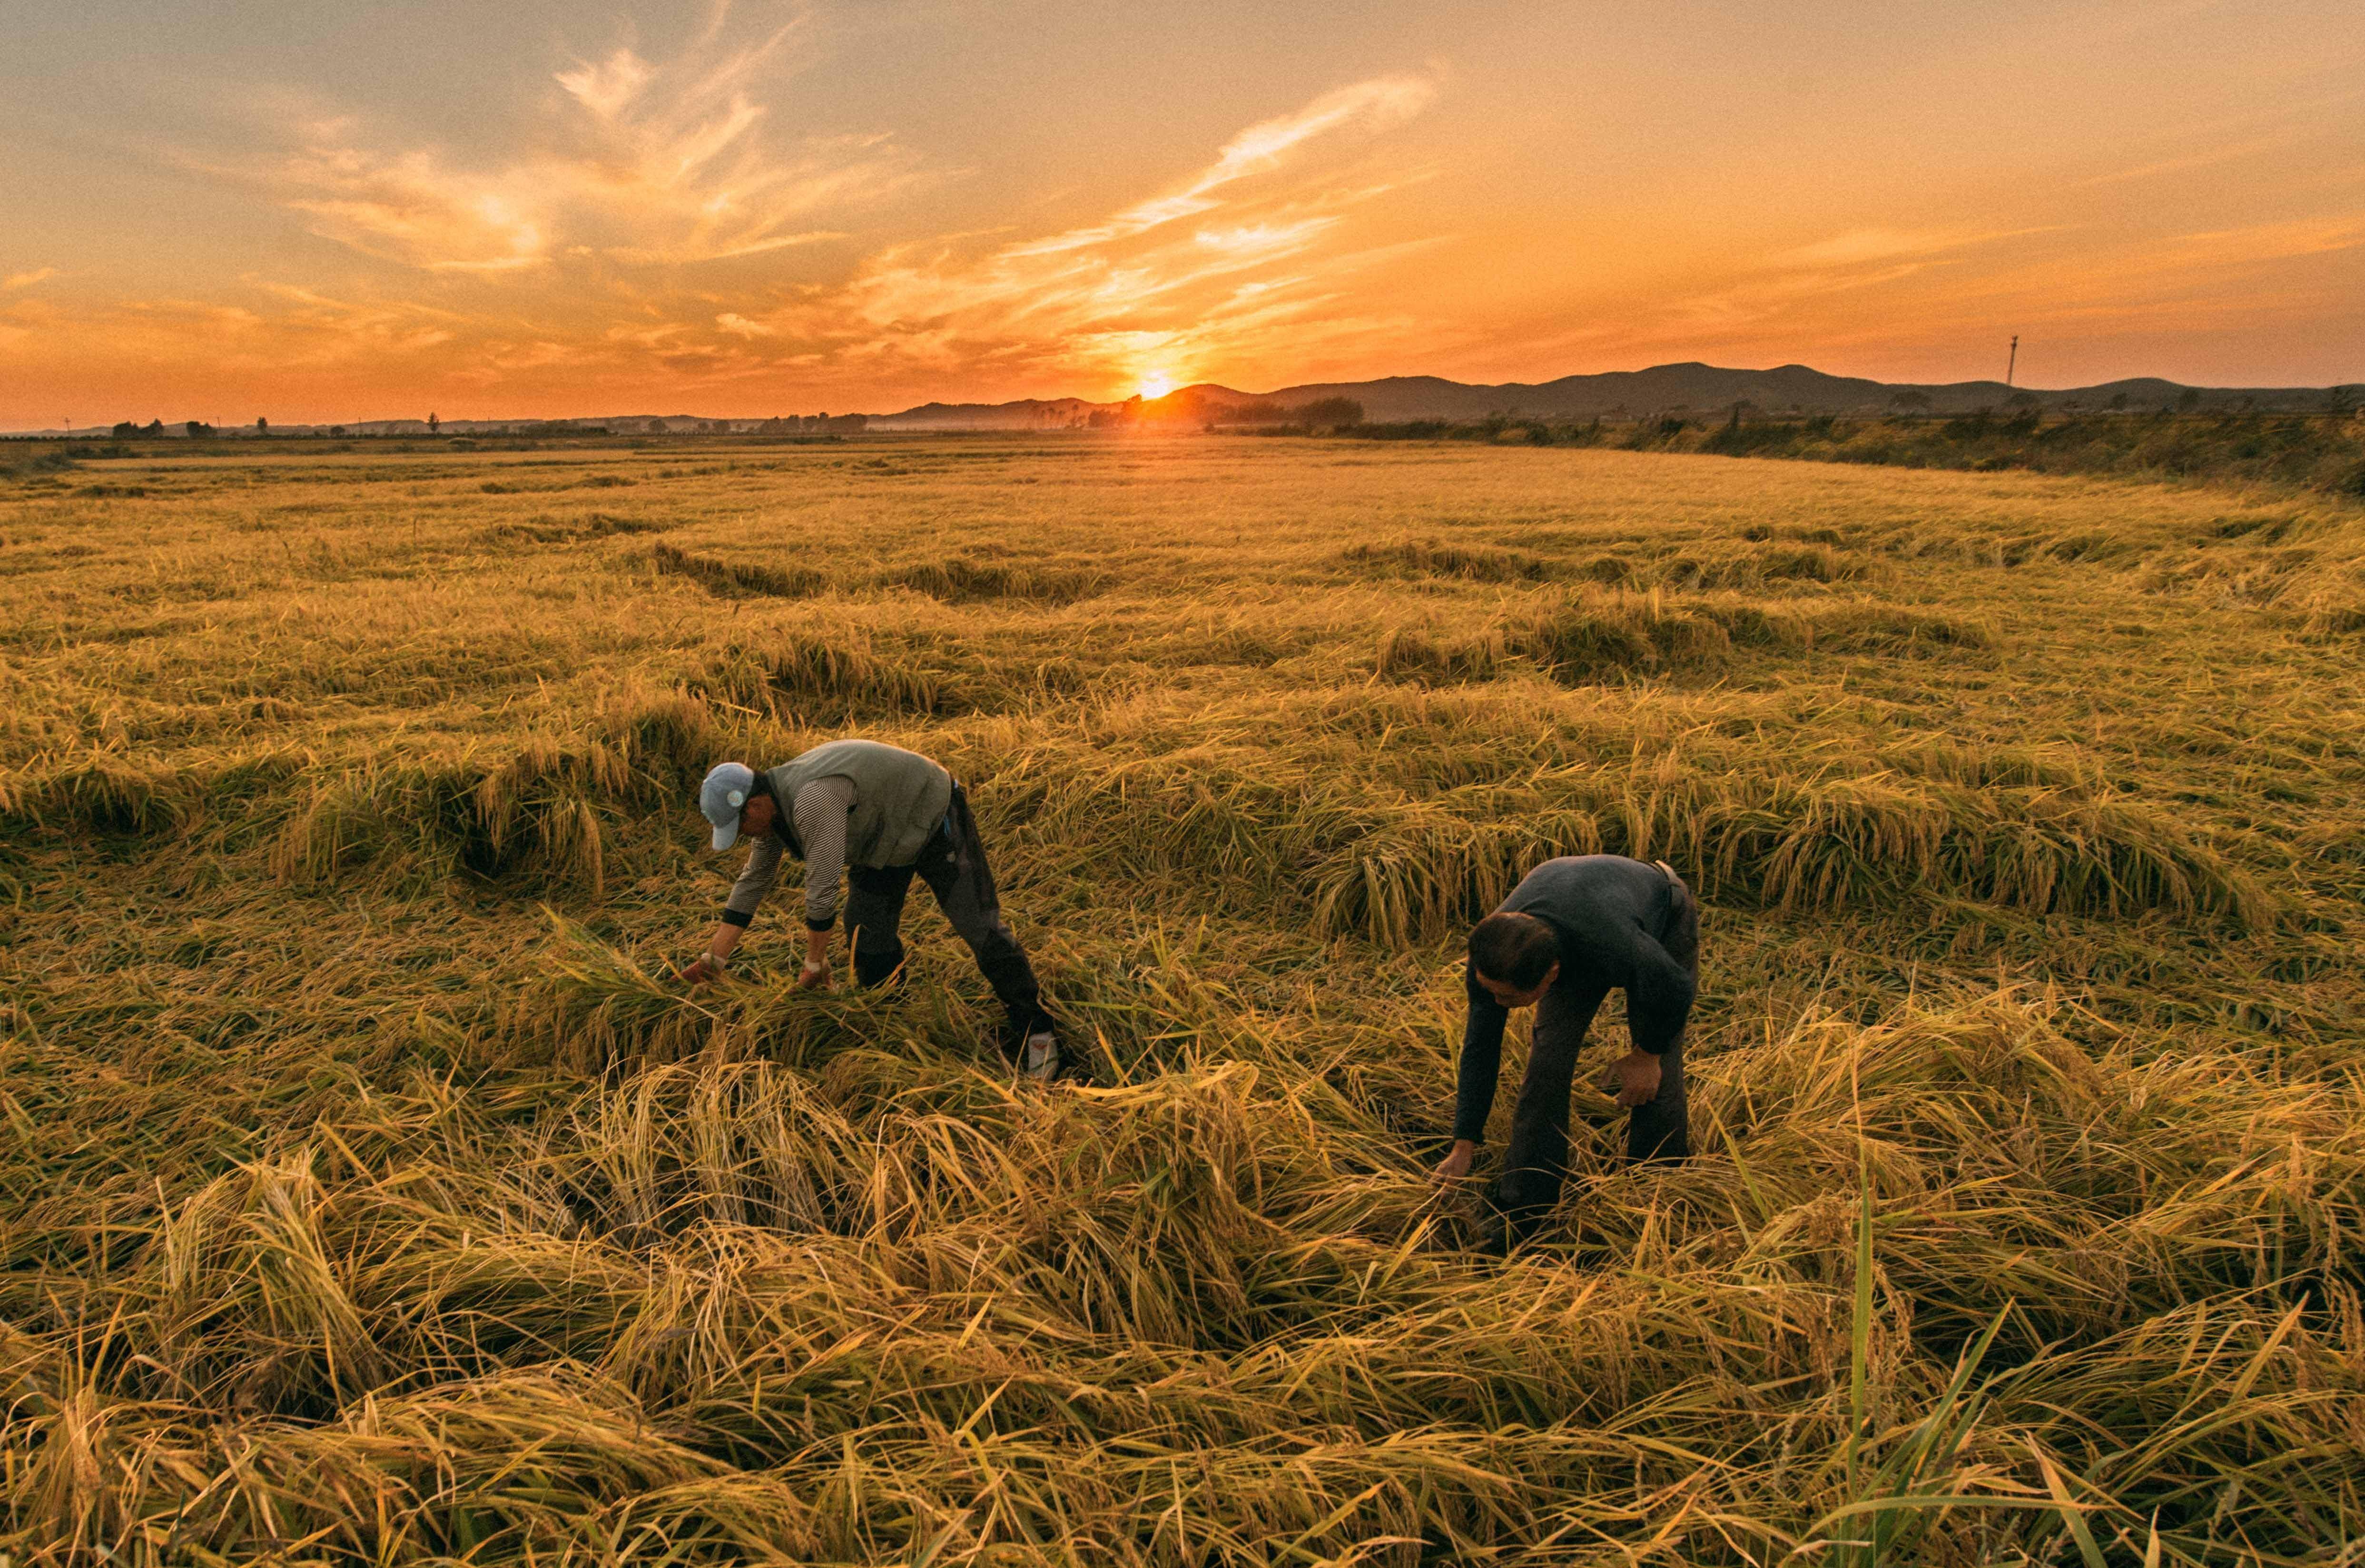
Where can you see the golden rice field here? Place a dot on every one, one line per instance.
(368, 1195)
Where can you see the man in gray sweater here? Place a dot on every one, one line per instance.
(1574, 930)
(878, 816)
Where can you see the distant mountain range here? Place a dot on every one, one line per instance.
(1698, 389)
(1701, 391)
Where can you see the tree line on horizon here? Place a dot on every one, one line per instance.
(1192, 405)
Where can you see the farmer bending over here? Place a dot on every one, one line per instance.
(880, 814)
(1571, 931)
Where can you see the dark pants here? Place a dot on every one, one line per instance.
(1537, 1159)
(952, 865)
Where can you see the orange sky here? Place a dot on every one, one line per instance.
(245, 208)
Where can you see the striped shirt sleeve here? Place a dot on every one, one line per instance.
(820, 815)
(756, 879)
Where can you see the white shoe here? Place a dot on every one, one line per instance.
(1042, 1056)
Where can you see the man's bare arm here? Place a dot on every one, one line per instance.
(711, 964)
(816, 975)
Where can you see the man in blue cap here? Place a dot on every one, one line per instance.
(878, 815)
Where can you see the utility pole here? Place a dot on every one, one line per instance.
(2012, 363)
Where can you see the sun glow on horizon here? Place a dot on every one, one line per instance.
(1156, 385)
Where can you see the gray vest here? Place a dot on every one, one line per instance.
(900, 797)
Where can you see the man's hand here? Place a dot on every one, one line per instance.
(813, 976)
(1456, 1165)
(701, 969)
(1636, 1075)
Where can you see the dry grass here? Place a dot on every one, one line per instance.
(369, 1196)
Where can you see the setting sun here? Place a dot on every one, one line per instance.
(1154, 386)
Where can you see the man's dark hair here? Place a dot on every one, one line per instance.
(1513, 950)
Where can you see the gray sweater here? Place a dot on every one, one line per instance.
(857, 802)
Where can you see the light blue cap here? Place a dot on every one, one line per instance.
(719, 798)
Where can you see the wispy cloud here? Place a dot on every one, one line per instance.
(285, 329)
(2271, 241)
(2285, 128)
(644, 163)
(1847, 262)
(1261, 149)
(26, 280)
(411, 207)
(1247, 248)
(1860, 247)
(2209, 158)
(1254, 256)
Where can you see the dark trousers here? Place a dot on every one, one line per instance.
(1537, 1159)
(952, 865)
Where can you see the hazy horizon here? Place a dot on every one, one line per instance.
(174, 422)
(757, 208)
